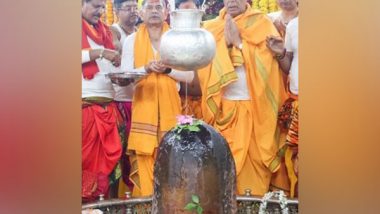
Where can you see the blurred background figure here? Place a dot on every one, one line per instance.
(127, 14)
(286, 53)
(289, 10)
(187, 4)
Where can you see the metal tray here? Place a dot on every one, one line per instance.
(126, 75)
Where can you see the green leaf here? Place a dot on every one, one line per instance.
(115, 175)
(194, 129)
(195, 199)
(178, 130)
(197, 123)
(118, 171)
(199, 210)
(191, 206)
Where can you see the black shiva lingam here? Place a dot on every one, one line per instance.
(194, 171)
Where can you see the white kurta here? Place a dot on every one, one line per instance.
(122, 93)
(291, 45)
(100, 85)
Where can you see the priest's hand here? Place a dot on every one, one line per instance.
(227, 35)
(276, 45)
(155, 66)
(113, 56)
(280, 25)
(232, 33)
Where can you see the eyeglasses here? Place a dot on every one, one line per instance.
(128, 8)
(151, 7)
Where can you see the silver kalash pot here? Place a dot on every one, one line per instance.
(186, 46)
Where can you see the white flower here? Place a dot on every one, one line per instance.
(91, 211)
(281, 197)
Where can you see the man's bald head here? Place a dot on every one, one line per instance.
(235, 7)
(154, 12)
(161, 1)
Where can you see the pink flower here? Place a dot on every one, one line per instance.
(184, 119)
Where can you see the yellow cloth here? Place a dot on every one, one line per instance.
(142, 174)
(292, 140)
(290, 169)
(280, 179)
(254, 149)
(156, 104)
(123, 188)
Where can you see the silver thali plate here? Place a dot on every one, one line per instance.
(126, 75)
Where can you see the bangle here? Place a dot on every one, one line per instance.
(167, 71)
(281, 56)
(101, 54)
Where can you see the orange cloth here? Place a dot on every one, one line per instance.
(280, 179)
(101, 35)
(266, 91)
(156, 103)
(192, 106)
(289, 162)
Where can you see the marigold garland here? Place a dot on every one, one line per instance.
(272, 5)
(213, 7)
(109, 12)
(266, 6)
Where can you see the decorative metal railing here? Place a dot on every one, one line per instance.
(247, 204)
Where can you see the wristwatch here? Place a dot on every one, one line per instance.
(167, 71)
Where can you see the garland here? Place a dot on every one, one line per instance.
(266, 6)
(109, 12)
(272, 6)
(277, 194)
(109, 16)
(212, 8)
(283, 202)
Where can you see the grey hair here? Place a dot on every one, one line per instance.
(145, 1)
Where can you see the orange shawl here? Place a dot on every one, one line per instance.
(263, 79)
(101, 35)
(156, 101)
